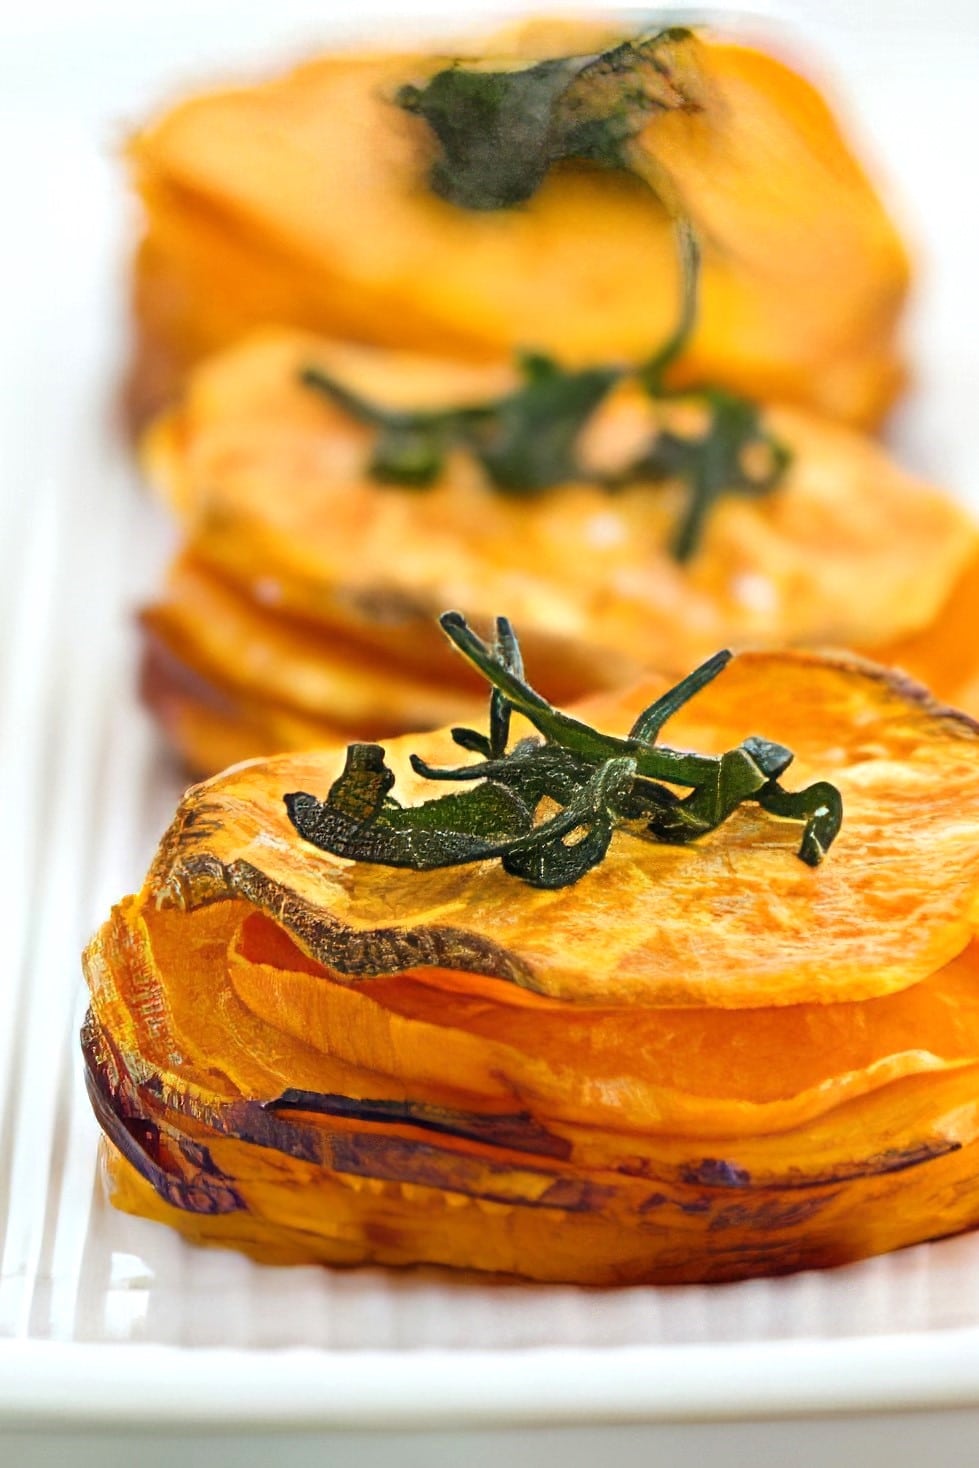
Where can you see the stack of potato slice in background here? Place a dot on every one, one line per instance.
(303, 609)
(304, 201)
(699, 1062)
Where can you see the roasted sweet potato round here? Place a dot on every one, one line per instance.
(696, 1062)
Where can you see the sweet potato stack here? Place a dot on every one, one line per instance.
(304, 201)
(302, 611)
(699, 1062)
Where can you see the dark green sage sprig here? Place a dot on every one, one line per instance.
(499, 132)
(590, 783)
(526, 440)
(715, 464)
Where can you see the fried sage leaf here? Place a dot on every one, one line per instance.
(526, 440)
(548, 808)
(716, 463)
(447, 831)
(499, 132)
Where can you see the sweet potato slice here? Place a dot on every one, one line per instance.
(414, 1208)
(732, 921)
(676, 1071)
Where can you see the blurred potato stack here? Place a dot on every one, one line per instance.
(293, 226)
(304, 201)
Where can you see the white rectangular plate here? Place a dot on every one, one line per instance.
(110, 1322)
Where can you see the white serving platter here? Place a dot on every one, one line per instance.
(117, 1341)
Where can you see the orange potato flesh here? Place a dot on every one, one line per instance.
(304, 202)
(269, 480)
(945, 654)
(720, 1071)
(904, 1112)
(886, 1169)
(402, 1195)
(442, 1036)
(603, 1083)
